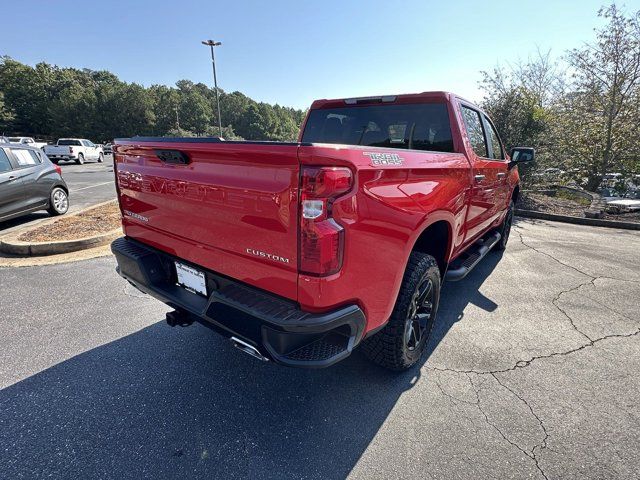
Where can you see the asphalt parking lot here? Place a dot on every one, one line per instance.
(88, 184)
(532, 372)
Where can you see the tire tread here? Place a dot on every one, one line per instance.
(386, 348)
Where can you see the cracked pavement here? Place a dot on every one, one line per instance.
(531, 373)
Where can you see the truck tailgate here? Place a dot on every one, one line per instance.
(227, 206)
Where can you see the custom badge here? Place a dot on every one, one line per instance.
(270, 256)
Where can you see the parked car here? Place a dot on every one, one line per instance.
(107, 149)
(78, 150)
(30, 182)
(550, 174)
(299, 252)
(622, 205)
(609, 194)
(28, 141)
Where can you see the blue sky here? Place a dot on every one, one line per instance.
(292, 52)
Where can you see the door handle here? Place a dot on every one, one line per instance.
(501, 174)
(479, 178)
(12, 177)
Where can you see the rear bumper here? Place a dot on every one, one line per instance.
(275, 326)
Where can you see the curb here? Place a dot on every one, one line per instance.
(10, 244)
(593, 222)
(32, 249)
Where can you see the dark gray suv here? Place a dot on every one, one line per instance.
(30, 182)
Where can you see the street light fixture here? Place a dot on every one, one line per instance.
(211, 43)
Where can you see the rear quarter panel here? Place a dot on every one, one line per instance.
(388, 209)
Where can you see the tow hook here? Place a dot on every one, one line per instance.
(179, 318)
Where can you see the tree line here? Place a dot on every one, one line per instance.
(51, 102)
(582, 111)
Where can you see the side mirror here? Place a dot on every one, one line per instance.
(521, 155)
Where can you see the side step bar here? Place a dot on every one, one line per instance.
(461, 267)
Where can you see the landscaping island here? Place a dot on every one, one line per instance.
(92, 222)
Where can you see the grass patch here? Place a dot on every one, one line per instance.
(573, 197)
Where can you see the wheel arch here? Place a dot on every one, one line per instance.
(515, 194)
(62, 186)
(436, 239)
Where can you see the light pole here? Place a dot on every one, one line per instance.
(212, 44)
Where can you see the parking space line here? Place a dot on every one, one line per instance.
(91, 186)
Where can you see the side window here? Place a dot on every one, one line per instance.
(25, 157)
(5, 164)
(496, 147)
(36, 156)
(473, 123)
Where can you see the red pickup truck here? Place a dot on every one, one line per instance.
(300, 252)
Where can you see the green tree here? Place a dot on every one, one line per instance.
(6, 115)
(196, 112)
(521, 100)
(166, 105)
(52, 101)
(602, 111)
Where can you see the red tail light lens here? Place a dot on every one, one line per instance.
(321, 238)
(58, 169)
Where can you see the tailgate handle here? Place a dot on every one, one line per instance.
(175, 157)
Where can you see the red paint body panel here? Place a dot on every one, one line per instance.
(237, 199)
(382, 217)
(230, 198)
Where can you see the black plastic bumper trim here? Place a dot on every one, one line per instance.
(269, 322)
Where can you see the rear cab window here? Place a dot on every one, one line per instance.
(423, 126)
(70, 142)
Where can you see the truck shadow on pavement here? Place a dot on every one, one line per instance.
(182, 403)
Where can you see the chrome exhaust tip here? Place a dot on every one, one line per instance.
(248, 349)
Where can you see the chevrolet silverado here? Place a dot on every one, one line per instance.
(300, 252)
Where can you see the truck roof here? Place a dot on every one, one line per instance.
(402, 98)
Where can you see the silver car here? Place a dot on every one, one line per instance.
(30, 182)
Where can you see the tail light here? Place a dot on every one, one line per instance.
(58, 169)
(321, 238)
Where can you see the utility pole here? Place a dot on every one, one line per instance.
(212, 44)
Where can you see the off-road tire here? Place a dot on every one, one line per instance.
(505, 228)
(80, 159)
(389, 347)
